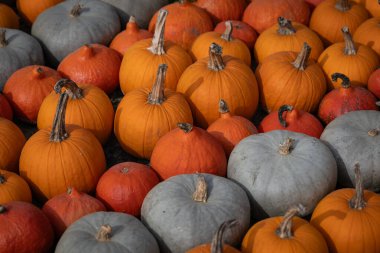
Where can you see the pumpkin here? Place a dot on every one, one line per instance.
(210, 79)
(216, 245)
(280, 169)
(185, 23)
(241, 31)
(157, 109)
(223, 10)
(372, 6)
(8, 18)
(368, 33)
(27, 88)
(349, 219)
(354, 60)
(139, 66)
(186, 210)
(59, 157)
(88, 107)
(231, 46)
(107, 232)
(68, 207)
(12, 141)
(291, 119)
(13, 188)
(129, 36)
(5, 108)
(17, 50)
(374, 83)
(124, 186)
(336, 13)
(287, 36)
(30, 10)
(24, 229)
(346, 135)
(262, 14)
(93, 64)
(313, 3)
(230, 129)
(67, 26)
(294, 73)
(186, 150)
(285, 234)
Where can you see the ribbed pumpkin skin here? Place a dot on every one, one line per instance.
(13, 188)
(30, 10)
(241, 31)
(8, 18)
(27, 88)
(368, 33)
(12, 141)
(374, 83)
(5, 108)
(223, 10)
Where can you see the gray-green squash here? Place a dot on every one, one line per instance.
(185, 211)
(107, 232)
(280, 169)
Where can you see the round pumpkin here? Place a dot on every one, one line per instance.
(157, 109)
(93, 64)
(13, 188)
(219, 77)
(88, 107)
(59, 157)
(374, 83)
(27, 88)
(68, 207)
(24, 229)
(8, 18)
(368, 33)
(5, 108)
(223, 10)
(124, 186)
(30, 10)
(291, 119)
(372, 6)
(139, 66)
(294, 73)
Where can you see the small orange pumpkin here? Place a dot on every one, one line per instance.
(8, 18)
(373, 6)
(29, 10)
(368, 33)
(13, 188)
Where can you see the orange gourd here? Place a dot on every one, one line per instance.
(5, 108)
(223, 10)
(145, 115)
(13, 188)
(139, 66)
(368, 33)
(30, 10)
(8, 18)
(373, 6)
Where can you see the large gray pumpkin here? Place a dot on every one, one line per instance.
(64, 28)
(181, 220)
(107, 232)
(142, 10)
(279, 173)
(355, 137)
(17, 50)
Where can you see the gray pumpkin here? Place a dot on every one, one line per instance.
(17, 50)
(280, 169)
(355, 138)
(66, 27)
(107, 232)
(142, 10)
(186, 210)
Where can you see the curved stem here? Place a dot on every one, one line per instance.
(2, 179)
(200, 194)
(2, 209)
(217, 240)
(357, 201)
(186, 127)
(215, 57)
(3, 41)
(301, 61)
(343, 5)
(157, 46)
(71, 88)
(104, 233)
(286, 147)
(345, 80)
(373, 132)
(223, 106)
(58, 132)
(285, 229)
(284, 108)
(157, 96)
(285, 26)
(227, 35)
(349, 43)
(76, 10)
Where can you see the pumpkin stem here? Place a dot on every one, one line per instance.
(343, 5)
(200, 194)
(378, 102)
(345, 80)
(215, 57)
(132, 19)
(301, 61)
(186, 127)
(373, 132)
(286, 146)
(124, 170)
(223, 106)
(71, 88)
(75, 11)
(284, 231)
(217, 240)
(284, 108)
(285, 26)
(227, 35)
(3, 41)
(182, 1)
(2, 179)
(357, 201)
(349, 48)
(58, 132)
(131, 25)
(38, 73)
(157, 96)
(157, 46)
(2, 209)
(104, 233)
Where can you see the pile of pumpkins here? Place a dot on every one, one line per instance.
(192, 75)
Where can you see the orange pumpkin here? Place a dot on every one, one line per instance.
(349, 219)
(300, 77)
(210, 79)
(88, 107)
(129, 36)
(368, 33)
(56, 158)
(372, 6)
(139, 66)
(13, 188)
(231, 46)
(5, 108)
(354, 60)
(157, 109)
(287, 36)
(29, 10)
(223, 10)
(8, 18)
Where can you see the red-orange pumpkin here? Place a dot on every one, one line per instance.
(223, 10)
(5, 108)
(8, 18)
(13, 188)
(374, 83)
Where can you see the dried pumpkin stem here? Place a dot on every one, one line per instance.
(76, 10)
(284, 231)
(373, 132)
(223, 106)
(124, 170)
(378, 102)
(69, 190)
(157, 46)
(217, 240)
(104, 233)
(349, 48)
(357, 201)
(286, 147)
(284, 108)
(285, 26)
(186, 127)
(182, 1)
(2, 209)
(2, 179)
(71, 88)
(58, 132)
(3, 41)
(301, 61)
(132, 19)
(200, 194)
(227, 35)
(343, 5)
(38, 72)
(157, 96)
(215, 57)
(345, 80)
